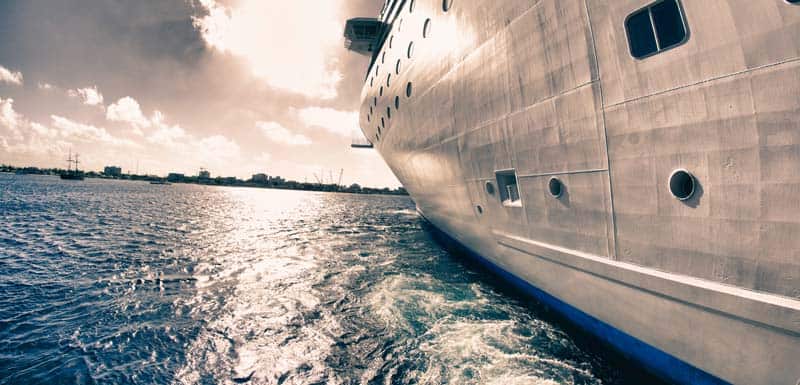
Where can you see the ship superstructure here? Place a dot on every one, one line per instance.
(635, 164)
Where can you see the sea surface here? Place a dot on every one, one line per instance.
(117, 282)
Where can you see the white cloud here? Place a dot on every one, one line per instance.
(167, 135)
(280, 134)
(8, 76)
(79, 131)
(289, 44)
(8, 117)
(338, 122)
(127, 110)
(45, 86)
(89, 95)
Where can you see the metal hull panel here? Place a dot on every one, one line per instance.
(548, 88)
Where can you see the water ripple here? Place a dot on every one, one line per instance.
(128, 283)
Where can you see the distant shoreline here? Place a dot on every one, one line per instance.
(277, 183)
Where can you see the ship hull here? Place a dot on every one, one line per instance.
(478, 108)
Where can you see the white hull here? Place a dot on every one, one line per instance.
(710, 286)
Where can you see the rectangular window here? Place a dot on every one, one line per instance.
(508, 188)
(655, 28)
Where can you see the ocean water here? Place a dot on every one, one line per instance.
(114, 282)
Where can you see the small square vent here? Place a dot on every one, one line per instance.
(508, 188)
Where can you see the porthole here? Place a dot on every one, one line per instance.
(426, 28)
(408, 90)
(383, 57)
(555, 187)
(396, 102)
(377, 67)
(397, 67)
(489, 188)
(388, 80)
(410, 49)
(411, 6)
(375, 101)
(370, 110)
(371, 81)
(391, 41)
(368, 118)
(383, 123)
(479, 209)
(379, 130)
(682, 184)
(380, 93)
(388, 112)
(446, 4)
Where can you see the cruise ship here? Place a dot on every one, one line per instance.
(632, 164)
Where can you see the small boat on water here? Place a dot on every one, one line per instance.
(70, 173)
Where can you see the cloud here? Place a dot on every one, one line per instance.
(280, 134)
(27, 141)
(10, 119)
(7, 76)
(89, 95)
(167, 135)
(73, 130)
(127, 110)
(343, 123)
(289, 44)
(45, 86)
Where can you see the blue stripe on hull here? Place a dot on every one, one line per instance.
(656, 361)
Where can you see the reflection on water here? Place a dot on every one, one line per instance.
(123, 282)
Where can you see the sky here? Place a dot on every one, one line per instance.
(234, 86)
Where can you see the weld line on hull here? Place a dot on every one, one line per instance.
(656, 361)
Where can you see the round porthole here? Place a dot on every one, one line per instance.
(682, 184)
(371, 81)
(380, 93)
(375, 101)
(408, 90)
(446, 4)
(479, 209)
(397, 67)
(391, 41)
(388, 80)
(383, 57)
(370, 110)
(388, 112)
(410, 49)
(489, 188)
(368, 118)
(426, 28)
(377, 67)
(555, 187)
(411, 6)
(383, 123)
(396, 102)
(379, 130)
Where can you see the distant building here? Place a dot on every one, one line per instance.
(229, 180)
(260, 178)
(175, 177)
(204, 174)
(113, 171)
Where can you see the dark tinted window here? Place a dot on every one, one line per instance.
(669, 23)
(640, 34)
(656, 28)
